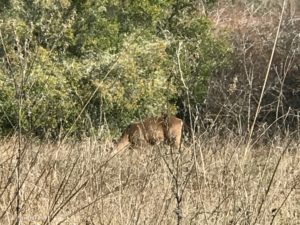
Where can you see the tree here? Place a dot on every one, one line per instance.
(78, 64)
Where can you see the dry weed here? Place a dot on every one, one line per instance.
(211, 181)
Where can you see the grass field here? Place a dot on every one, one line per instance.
(210, 181)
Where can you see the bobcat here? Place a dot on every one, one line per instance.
(167, 129)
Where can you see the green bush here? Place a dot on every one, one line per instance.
(64, 72)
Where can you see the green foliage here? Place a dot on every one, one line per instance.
(104, 61)
(200, 53)
(139, 84)
(33, 74)
(102, 25)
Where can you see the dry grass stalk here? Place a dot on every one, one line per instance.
(206, 183)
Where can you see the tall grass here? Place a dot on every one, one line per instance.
(206, 183)
(210, 181)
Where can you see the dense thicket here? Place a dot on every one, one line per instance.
(79, 67)
(234, 98)
(82, 65)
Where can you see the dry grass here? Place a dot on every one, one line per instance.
(210, 182)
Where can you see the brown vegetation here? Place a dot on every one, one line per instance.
(167, 129)
(225, 176)
(211, 182)
(262, 66)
